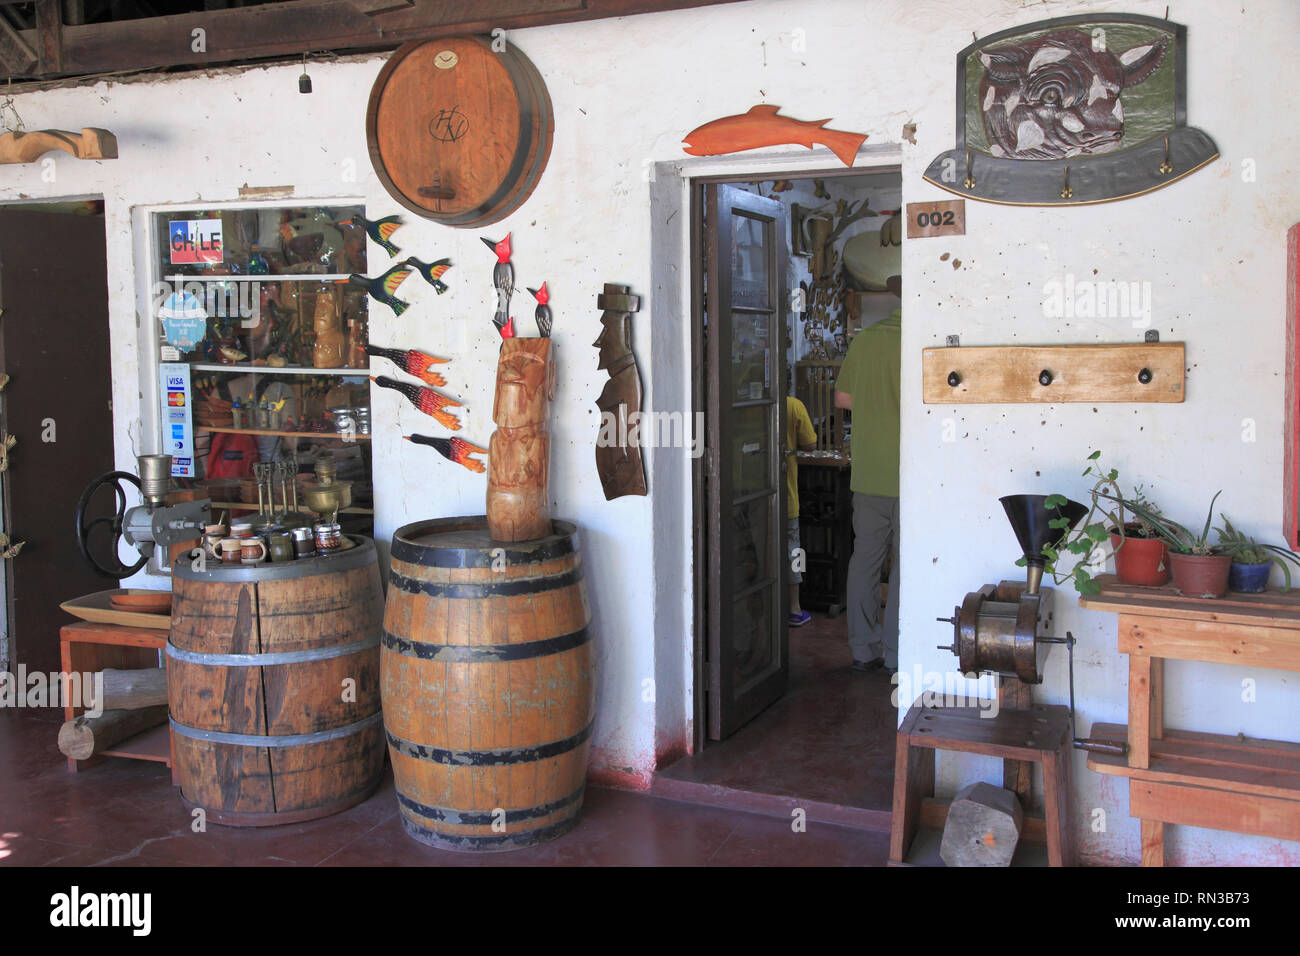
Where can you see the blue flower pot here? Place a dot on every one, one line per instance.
(1249, 578)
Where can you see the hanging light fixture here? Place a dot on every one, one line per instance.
(304, 81)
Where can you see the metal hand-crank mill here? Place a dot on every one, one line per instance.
(144, 526)
(1006, 628)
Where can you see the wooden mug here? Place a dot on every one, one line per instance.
(252, 550)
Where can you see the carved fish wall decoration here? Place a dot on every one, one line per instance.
(763, 126)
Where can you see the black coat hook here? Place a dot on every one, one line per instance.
(1044, 377)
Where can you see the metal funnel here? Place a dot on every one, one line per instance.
(1030, 517)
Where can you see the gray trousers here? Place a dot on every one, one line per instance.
(873, 631)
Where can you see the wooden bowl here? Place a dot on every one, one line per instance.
(145, 602)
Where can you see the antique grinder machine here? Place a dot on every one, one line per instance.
(1007, 628)
(144, 526)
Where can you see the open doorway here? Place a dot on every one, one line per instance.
(786, 272)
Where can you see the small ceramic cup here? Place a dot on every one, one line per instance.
(212, 535)
(252, 550)
(231, 549)
(280, 546)
(304, 544)
(241, 529)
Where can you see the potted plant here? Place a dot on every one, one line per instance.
(1199, 568)
(1141, 554)
(1252, 561)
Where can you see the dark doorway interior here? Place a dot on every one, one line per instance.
(826, 737)
(54, 348)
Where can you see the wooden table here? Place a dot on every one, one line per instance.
(1219, 781)
(87, 647)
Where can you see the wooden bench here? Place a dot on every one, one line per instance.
(1218, 781)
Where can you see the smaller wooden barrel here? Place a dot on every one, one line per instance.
(488, 684)
(273, 686)
(459, 131)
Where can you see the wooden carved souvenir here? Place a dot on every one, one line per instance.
(503, 279)
(518, 504)
(453, 449)
(412, 362)
(21, 146)
(763, 126)
(425, 399)
(381, 288)
(330, 341)
(543, 313)
(432, 272)
(379, 230)
(618, 462)
(1070, 111)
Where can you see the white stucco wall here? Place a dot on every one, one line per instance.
(624, 92)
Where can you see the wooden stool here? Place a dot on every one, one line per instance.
(1037, 735)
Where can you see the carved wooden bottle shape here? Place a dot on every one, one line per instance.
(618, 462)
(518, 501)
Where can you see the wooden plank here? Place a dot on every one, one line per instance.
(288, 28)
(913, 782)
(1157, 714)
(49, 31)
(1153, 842)
(16, 55)
(1211, 642)
(1291, 426)
(1272, 608)
(1221, 766)
(1017, 775)
(92, 633)
(1213, 809)
(1079, 373)
(1139, 711)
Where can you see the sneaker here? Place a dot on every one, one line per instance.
(799, 619)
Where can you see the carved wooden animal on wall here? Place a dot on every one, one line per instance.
(21, 146)
(618, 461)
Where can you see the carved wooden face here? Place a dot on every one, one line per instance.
(525, 382)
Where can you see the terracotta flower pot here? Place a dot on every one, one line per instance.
(1141, 561)
(1200, 575)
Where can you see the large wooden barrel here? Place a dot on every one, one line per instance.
(488, 684)
(456, 115)
(273, 685)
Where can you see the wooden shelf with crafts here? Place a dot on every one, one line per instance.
(285, 370)
(327, 436)
(278, 277)
(246, 506)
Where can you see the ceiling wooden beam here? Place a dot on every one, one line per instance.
(16, 56)
(49, 34)
(297, 26)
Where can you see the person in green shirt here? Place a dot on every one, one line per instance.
(799, 436)
(868, 385)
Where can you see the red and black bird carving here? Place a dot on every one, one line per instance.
(506, 328)
(543, 313)
(412, 362)
(425, 399)
(432, 272)
(381, 289)
(503, 278)
(453, 449)
(378, 230)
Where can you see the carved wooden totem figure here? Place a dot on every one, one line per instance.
(617, 461)
(518, 503)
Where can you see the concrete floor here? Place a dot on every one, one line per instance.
(126, 812)
(826, 746)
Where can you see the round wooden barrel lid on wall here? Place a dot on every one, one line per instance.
(273, 687)
(488, 684)
(459, 133)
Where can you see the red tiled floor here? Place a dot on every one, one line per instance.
(830, 739)
(126, 813)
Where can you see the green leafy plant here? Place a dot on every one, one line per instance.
(1246, 550)
(1089, 537)
(1179, 538)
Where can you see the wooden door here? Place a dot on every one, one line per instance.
(54, 348)
(745, 506)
